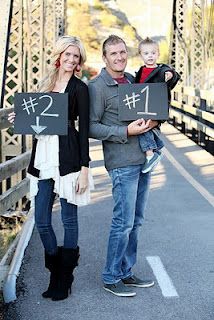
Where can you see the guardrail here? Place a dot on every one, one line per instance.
(10, 197)
(192, 111)
(12, 193)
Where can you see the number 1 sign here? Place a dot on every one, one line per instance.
(41, 113)
(143, 100)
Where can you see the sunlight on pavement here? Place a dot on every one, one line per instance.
(183, 143)
(197, 157)
(158, 177)
(204, 160)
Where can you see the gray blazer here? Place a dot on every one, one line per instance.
(119, 150)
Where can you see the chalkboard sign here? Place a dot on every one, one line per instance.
(41, 113)
(143, 100)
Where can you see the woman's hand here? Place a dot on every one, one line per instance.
(82, 181)
(11, 117)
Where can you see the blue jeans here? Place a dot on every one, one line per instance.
(43, 217)
(150, 140)
(130, 189)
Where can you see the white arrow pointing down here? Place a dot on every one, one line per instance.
(37, 128)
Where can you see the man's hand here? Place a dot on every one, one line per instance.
(140, 126)
(152, 124)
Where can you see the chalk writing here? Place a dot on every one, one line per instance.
(131, 101)
(41, 113)
(146, 89)
(29, 104)
(48, 107)
(143, 100)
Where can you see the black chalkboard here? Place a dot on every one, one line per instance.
(143, 100)
(41, 113)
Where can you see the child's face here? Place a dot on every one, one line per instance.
(149, 54)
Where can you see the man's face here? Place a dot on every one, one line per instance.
(149, 54)
(115, 58)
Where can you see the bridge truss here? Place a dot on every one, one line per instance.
(192, 40)
(29, 28)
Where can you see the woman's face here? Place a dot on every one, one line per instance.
(69, 59)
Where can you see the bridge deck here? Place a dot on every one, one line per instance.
(176, 243)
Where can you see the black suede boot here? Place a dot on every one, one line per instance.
(52, 264)
(69, 260)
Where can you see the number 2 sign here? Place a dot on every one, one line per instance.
(41, 113)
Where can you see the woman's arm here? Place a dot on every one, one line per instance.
(82, 97)
(98, 130)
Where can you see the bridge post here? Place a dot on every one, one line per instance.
(11, 145)
(178, 48)
(201, 135)
(5, 24)
(197, 45)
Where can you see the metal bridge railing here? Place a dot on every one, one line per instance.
(192, 111)
(14, 185)
(30, 29)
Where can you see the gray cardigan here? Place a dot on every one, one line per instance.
(119, 150)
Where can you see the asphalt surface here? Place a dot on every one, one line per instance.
(178, 229)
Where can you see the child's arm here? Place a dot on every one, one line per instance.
(171, 77)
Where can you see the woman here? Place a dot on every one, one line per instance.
(59, 164)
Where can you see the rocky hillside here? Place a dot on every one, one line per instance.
(93, 23)
(94, 20)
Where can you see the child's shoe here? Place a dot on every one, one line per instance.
(152, 161)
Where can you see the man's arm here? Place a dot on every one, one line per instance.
(97, 129)
(114, 133)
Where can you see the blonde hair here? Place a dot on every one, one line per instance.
(147, 41)
(47, 84)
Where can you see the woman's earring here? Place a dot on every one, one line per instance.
(78, 68)
(57, 63)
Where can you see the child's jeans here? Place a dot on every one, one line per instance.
(150, 140)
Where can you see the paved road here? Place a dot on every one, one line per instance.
(176, 247)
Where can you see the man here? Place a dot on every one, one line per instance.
(123, 160)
